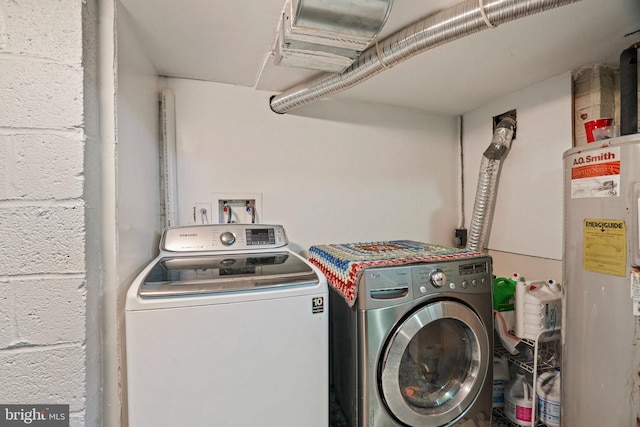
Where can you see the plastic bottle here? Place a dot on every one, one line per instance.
(504, 290)
(518, 406)
(538, 307)
(548, 391)
(517, 277)
(500, 380)
(521, 290)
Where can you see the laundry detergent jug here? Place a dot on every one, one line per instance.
(504, 290)
(500, 380)
(518, 405)
(548, 391)
(538, 307)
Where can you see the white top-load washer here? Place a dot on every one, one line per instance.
(227, 327)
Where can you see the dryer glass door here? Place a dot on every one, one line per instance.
(435, 364)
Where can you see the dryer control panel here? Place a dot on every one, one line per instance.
(222, 237)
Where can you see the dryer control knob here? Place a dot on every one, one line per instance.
(227, 238)
(438, 278)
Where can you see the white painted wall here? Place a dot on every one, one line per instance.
(331, 172)
(45, 288)
(137, 186)
(528, 217)
(138, 130)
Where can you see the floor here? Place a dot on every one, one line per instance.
(336, 418)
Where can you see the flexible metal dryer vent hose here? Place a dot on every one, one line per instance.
(447, 25)
(488, 177)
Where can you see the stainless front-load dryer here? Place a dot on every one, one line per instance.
(416, 348)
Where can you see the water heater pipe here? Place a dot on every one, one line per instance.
(629, 91)
(462, 19)
(488, 178)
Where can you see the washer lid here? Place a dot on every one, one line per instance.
(174, 276)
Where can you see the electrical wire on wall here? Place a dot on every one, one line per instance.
(460, 237)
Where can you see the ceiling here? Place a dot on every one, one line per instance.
(232, 42)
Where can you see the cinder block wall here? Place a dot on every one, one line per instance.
(42, 207)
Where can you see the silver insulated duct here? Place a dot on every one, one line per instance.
(485, 201)
(328, 35)
(447, 25)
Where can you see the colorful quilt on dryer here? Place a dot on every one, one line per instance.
(343, 263)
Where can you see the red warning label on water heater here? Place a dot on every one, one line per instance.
(591, 171)
(596, 173)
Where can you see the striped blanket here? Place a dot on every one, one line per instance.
(343, 263)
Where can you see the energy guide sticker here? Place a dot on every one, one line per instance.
(317, 305)
(596, 173)
(605, 246)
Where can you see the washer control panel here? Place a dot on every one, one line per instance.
(222, 237)
(227, 238)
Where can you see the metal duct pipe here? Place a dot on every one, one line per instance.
(447, 25)
(629, 91)
(485, 201)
